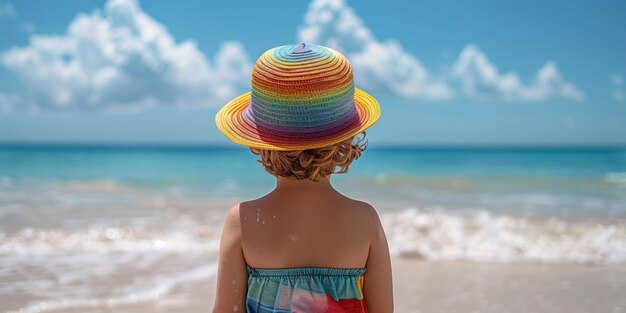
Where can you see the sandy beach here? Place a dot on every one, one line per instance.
(455, 287)
(458, 287)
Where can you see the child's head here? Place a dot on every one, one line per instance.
(312, 164)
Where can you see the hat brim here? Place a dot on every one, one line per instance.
(230, 121)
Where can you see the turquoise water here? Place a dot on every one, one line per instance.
(587, 183)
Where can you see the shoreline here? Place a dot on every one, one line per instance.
(452, 287)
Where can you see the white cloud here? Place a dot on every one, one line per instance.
(122, 59)
(377, 65)
(8, 11)
(480, 79)
(386, 65)
(618, 87)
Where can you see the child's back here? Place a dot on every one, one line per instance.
(306, 248)
(298, 225)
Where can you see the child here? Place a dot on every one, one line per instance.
(304, 247)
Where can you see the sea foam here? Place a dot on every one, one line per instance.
(436, 235)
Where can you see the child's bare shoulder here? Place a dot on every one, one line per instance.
(363, 206)
(363, 211)
(244, 209)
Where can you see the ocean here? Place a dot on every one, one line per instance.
(104, 227)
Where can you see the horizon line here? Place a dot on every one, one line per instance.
(407, 146)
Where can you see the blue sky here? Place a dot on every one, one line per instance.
(445, 73)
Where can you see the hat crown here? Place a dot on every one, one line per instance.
(302, 89)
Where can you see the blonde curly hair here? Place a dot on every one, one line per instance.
(312, 164)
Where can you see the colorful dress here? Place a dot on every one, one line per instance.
(305, 290)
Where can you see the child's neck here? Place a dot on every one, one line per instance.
(291, 185)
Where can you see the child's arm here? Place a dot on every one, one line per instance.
(377, 282)
(232, 276)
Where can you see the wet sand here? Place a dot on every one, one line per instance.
(458, 287)
(512, 288)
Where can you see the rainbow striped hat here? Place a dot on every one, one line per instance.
(302, 97)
